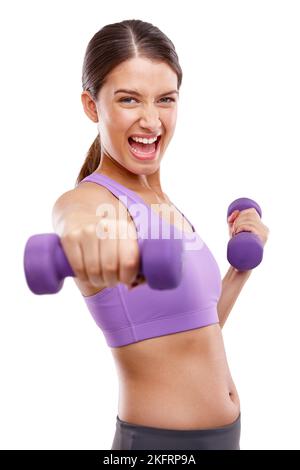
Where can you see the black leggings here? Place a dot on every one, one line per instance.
(133, 437)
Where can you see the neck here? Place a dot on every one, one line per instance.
(138, 183)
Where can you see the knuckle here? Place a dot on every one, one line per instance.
(70, 237)
(106, 228)
(110, 268)
(95, 280)
(77, 268)
(88, 230)
(80, 273)
(93, 270)
(248, 213)
(129, 264)
(128, 272)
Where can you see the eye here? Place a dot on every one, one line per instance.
(168, 98)
(123, 100)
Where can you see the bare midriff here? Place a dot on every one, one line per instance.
(177, 381)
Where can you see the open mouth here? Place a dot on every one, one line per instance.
(132, 142)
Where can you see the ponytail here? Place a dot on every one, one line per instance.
(92, 160)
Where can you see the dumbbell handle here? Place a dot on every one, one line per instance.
(245, 249)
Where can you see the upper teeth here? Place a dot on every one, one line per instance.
(144, 141)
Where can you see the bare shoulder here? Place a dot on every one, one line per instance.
(99, 197)
(86, 196)
(87, 192)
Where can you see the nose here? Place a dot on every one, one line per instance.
(150, 119)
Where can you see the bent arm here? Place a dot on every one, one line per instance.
(232, 285)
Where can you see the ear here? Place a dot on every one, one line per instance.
(89, 106)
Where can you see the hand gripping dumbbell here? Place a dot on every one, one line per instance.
(245, 249)
(46, 265)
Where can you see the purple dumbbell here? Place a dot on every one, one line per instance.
(245, 249)
(46, 265)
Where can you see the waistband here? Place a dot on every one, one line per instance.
(178, 432)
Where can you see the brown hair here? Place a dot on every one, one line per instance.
(109, 47)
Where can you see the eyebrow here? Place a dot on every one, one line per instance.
(133, 92)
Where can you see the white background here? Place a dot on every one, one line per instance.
(237, 129)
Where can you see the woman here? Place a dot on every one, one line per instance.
(176, 391)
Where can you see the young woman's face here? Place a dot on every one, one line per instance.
(123, 114)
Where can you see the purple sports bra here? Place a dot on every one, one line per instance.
(127, 316)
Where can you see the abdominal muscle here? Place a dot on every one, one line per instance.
(177, 381)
